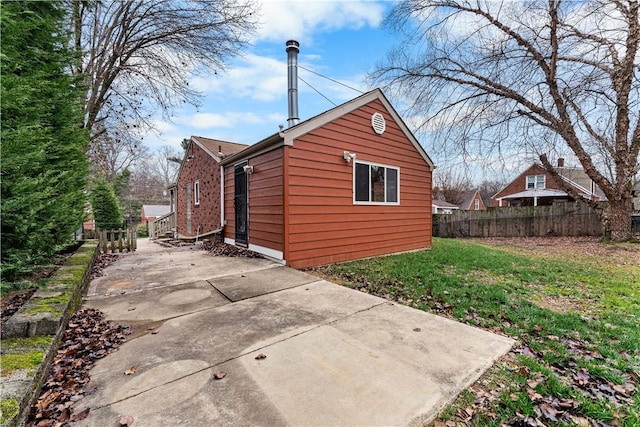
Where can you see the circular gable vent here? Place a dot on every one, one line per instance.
(378, 123)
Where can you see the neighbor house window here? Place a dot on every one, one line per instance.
(196, 193)
(477, 205)
(535, 182)
(374, 183)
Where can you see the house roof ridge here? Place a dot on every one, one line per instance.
(219, 140)
(287, 136)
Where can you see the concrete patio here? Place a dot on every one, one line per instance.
(334, 356)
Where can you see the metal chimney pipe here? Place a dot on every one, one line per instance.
(293, 47)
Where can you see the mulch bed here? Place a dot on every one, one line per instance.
(102, 261)
(88, 337)
(11, 303)
(14, 301)
(222, 249)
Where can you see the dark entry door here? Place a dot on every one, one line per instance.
(241, 202)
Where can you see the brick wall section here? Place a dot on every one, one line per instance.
(472, 206)
(206, 170)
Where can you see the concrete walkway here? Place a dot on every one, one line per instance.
(334, 356)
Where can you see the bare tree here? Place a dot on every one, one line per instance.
(450, 185)
(488, 188)
(137, 55)
(541, 77)
(111, 156)
(163, 164)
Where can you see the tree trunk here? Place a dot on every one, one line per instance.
(616, 220)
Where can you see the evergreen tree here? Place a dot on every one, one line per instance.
(106, 211)
(44, 166)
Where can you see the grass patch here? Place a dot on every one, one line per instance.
(9, 408)
(52, 304)
(575, 318)
(20, 342)
(12, 362)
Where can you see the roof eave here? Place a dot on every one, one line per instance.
(269, 141)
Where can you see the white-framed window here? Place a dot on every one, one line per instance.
(374, 183)
(476, 205)
(196, 193)
(536, 182)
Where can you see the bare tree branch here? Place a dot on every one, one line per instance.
(137, 55)
(531, 77)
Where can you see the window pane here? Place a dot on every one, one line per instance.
(392, 185)
(377, 183)
(362, 182)
(540, 183)
(531, 182)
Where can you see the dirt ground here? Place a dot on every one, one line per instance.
(570, 248)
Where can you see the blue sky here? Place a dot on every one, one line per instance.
(342, 40)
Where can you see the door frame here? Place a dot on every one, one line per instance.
(241, 204)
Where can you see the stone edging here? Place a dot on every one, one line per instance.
(37, 329)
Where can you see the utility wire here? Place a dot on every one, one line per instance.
(329, 78)
(317, 91)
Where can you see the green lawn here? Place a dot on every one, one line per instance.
(574, 311)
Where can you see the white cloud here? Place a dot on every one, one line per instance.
(283, 20)
(253, 76)
(257, 81)
(227, 119)
(264, 79)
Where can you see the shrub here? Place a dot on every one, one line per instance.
(106, 211)
(142, 230)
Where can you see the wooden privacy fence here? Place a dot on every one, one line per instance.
(558, 219)
(117, 240)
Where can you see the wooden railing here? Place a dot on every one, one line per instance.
(117, 240)
(163, 225)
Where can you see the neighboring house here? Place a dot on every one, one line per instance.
(472, 201)
(442, 207)
(536, 187)
(352, 182)
(635, 198)
(197, 195)
(152, 212)
(89, 222)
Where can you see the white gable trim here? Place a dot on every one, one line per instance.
(287, 136)
(206, 150)
(314, 123)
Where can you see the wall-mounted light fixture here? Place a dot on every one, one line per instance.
(349, 156)
(248, 169)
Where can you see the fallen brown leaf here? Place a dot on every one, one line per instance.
(88, 337)
(80, 415)
(132, 370)
(219, 375)
(65, 416)
(261, 356)
(126, 420)
(579, 421)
